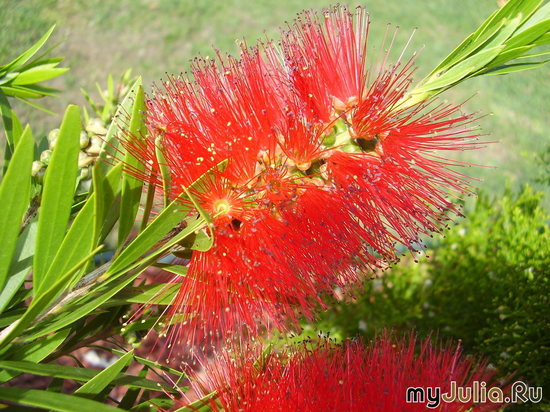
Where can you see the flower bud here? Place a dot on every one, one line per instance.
(40, 175)
(85, 173)
(84, 140)
(95, 126)
(37, 165)
(95, 146)
(84, 160)
(52, 137)
(53, 134)
(45, 156)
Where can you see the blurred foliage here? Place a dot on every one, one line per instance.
(543, 160)
(486, 283)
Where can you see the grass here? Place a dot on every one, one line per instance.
(158, 36)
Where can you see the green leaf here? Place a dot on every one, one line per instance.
(496, 29)
(175, 269)
(53, 401)
(37, 106)
(159, 294)
(152, 364)
(541, 14)
(151, 187)
(167, 220)
(21, 92)
(131, 186)
(164, 170)
(508, 55)
(39, 61)
(7, 77)
(9, 317)
(200, 405)
(110, 145)
(154, 404)
(14, 199)
(21, 264)
(42, 90)
(514, 8)
(518, 67)
(6, 112)
(40, 303)
(57, 197)
(23, 58)
(34, 351)
(78, 242)
(132, 394)
(529, 36)
(460, 71)
(508, 28)
(112, 282)
(78, 374)
(202, 243)
(106, 190)
(38, 74)
(17, 128)
(80, 308)
(531, 55)
(103, 379)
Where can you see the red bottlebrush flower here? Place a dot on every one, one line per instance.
(327, 59)
(327, 171)
(348, 377)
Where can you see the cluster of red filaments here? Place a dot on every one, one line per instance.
(349, 377)
(327, 170)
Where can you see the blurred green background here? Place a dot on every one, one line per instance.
(155, 37)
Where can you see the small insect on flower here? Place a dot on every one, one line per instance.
(328, 171)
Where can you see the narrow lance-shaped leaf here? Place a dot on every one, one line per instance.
(517, 67)
(112, 282)
(14, 199)
(5, 112)
(103, 379)
(106, 189)
(82, 235)
(461, 70)
(34, 351)
(39, 74)
(41, 302)
(58, 402)
(129, 260)
(57, 197)
(509, 31)
(131, 186)
(77, 374)
(167, 220)
(23, 58)
(110, 145)
(21, 264)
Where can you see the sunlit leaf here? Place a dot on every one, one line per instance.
(131, 186)
(34, 351)
(53, 401)
(39, 74)
(104, 378)
(57, 197)
(29, 53)
(110, 144)
(14, 199)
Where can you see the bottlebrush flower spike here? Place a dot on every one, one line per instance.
(328, 171)
(348, 377)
